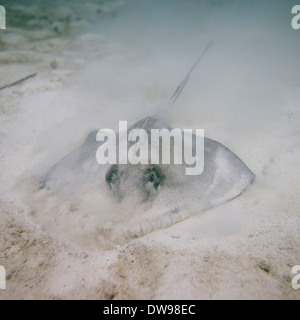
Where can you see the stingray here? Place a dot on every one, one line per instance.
(224, 177)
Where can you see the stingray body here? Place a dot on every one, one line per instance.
(225, 175)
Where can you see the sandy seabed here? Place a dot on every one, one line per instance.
(90, 73)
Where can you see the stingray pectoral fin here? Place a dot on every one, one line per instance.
(228, 174)
(71, 168)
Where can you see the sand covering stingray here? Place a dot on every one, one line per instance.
(161, 186)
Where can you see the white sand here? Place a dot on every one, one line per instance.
(245, 94)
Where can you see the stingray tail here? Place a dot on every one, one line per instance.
(181, 86)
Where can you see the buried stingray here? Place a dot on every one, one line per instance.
(224, 176)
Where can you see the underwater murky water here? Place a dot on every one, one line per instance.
(98, 62)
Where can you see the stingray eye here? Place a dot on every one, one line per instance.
(153, 175)
(112, 175)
